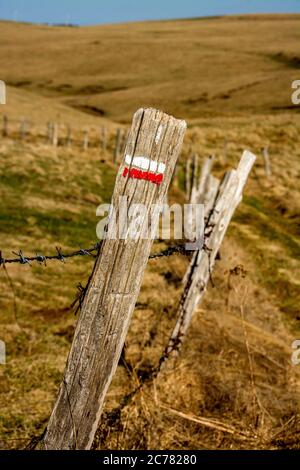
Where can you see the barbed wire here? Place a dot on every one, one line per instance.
(42, 259)
(60, 256)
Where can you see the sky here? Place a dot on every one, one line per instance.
(85, 12)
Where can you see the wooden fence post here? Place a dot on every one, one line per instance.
(228, 198)
(267, 162)
(117, 145)
(225, 151)
(103, 139)
(206, 195)
(188, 179)
(86, 140)
(210, 193)
(114, 285)
(49, 132)
(69, 137)
(204, 175)
(5, 126)
(23, 129)
(124, 140)
(194, 191)
(55, 135)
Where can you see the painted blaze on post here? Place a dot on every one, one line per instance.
(2, 92)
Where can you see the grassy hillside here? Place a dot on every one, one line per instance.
(188, 68)
(235, 366)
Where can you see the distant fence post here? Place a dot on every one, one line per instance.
(267, 163)
(194, 190)
(23, 129)
(188, 179)
(49, 132)
(103, 140)
(54, 134)
(86, 140)
(225, 151)
(204, 175)
(199, 271)
(69, 137)
(5, 126)
(117, 145)
(114, 285)
(124, 140)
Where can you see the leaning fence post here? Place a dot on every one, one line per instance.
(228, 197)
(155, 138)
(267, 161)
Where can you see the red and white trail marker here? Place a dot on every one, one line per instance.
(143, 168)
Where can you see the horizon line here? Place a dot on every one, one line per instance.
(157, 20)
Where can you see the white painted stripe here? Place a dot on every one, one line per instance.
(145, 163)
(161, 168)
(128, 159)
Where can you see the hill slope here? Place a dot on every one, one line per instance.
(188, 68)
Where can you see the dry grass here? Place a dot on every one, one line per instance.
(233, 386)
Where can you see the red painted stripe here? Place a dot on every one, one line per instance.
(143, 175)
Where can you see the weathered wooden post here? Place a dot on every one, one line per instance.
(210, 193)
(155, 140)
(188, 179)
(23, 129)
(69, 137)
(204, 175)
(86, 140)
(49, 132)
(124, 139)
(228, 198)
(205, 195)
(267, 163)
(54, 136)
(194, 190)
(117, 145)
(103, 139)
(5, 126)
